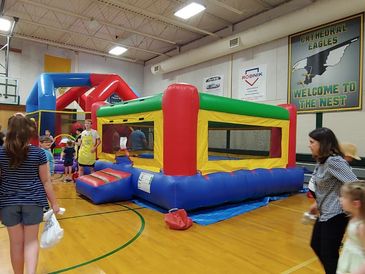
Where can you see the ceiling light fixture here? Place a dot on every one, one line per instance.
(189, 10)
(5, 24)
(117, 50)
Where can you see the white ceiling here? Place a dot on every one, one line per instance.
(148, 28)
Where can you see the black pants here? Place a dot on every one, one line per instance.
(326, 240)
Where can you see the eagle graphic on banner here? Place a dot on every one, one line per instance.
(317, 64)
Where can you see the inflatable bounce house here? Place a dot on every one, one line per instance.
(202, 150)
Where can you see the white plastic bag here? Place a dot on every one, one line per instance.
(52, 231)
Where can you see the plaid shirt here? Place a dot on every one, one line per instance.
(328, 178)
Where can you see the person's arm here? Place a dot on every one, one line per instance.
(97, 140)
(340, 169)
(97, 143)
(45, 177)
(313, 209)
(78, 141)
(63, 153)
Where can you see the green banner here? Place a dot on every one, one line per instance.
(325, 67)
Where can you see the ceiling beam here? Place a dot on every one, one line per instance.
(73, 48)
(90, 36)
(225, 6)
(265, 4)
(2, 4)
(86, 18)
(161, 18)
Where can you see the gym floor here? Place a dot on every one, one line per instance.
(127, 238)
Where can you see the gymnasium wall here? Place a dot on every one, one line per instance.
(348, 125)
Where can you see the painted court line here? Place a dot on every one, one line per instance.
(299, 266)
(287, 208)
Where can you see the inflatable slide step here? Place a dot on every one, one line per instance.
(107, 185)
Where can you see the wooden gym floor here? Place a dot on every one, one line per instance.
(126, 238)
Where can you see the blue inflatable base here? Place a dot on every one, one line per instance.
(192, 192)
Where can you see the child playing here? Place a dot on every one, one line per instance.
(47, 133)
(45, 143)
(68, 155)
(353, 253)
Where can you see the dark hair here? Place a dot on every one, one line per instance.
(45, 139)
(80, 129)
(20, 130)
(328, 144)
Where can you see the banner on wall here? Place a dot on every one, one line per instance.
(56, 64)
(253, 83)
(325, 67)
(213, 85)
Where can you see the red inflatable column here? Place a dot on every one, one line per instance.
(180, 106)
(292, 133)
(275, 143)
(94, 108)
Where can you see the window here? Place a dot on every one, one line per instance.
(115, 137)
(228, 141)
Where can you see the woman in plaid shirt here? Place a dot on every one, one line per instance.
(331, 172)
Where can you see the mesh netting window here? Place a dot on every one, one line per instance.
(228, 141)
(118, 136)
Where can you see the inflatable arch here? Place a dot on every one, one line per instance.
(43, 97)
(183, 166)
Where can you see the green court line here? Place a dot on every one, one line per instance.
(99, 213)
(111, 252)
(93, 214)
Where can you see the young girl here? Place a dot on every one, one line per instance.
(24, 189)
(353, 202)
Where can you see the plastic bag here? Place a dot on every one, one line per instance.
(309, 218)
(178, 219)
(52, 231)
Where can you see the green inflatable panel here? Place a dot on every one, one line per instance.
(143, 104)
(234, 106)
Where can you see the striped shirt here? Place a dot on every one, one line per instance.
(22, 185)
(328, 179)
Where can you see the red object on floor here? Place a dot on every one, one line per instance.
(178, 219)
(75, 175)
